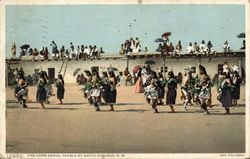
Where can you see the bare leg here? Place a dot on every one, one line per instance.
(111, 107)
(43, 107)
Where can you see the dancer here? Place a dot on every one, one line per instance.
(226, 97)
(185, 89)
(236, 87)
(48, 88)
(41, 92)
(60, 88)
(104, 86)
(111, 93)
(95, 94)
(151, 94)
(161, 88)
(204, 96)
(171, 92)
(21, 90)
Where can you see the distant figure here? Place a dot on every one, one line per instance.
(159, 49)
(196, 47)
(146, 49)
(35, 52)
(226, 47)
(62, 52)
(138, 88)
(171, 48)
(46, 53)
(190, 48)
(243, 47)
(122, 50)
(54, 47)
(178, 48)
(203, 47)
(13, 50)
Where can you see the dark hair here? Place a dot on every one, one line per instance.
(61, 78)
(171, 74)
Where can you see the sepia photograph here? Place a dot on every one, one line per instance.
(125, 79)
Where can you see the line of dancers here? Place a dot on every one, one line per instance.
(44, 89)
(195, 88)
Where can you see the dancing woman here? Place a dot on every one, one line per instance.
(161, 88)
(41, 93)
(104, 84)
(111, 91)
(171, 93)
(151, 94)
(60, 88)
(226, 96)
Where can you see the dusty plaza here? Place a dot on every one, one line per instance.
(131, 128)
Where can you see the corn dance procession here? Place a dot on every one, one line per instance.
(122, 80)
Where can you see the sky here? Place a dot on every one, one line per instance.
(108, 26)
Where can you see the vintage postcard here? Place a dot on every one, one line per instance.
(124, 79)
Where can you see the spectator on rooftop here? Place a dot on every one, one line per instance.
(226, 47)
(190, 48)
(62, 51)
(122, 50)
(13, 50)
(243, 47)
(203, 47)
(46, 53)
(171, 48)
(35, 52)
(159, 49)
(146, 49)
(30, 51)
(196, 47)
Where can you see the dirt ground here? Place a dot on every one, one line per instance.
(131, 128)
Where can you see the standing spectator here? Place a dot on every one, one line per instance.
(94, 53)
(46, 53)
(54, 47)
(13, 50)
(62, 51)
(226, 47)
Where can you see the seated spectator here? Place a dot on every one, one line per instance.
(226, 47)
(178, 48)
(243, 47)
(42, 51)
(100, 51)
(35, 52)
(30, 51)
(210, 48)
(203, 47)
(159, 49)
(171, 48)
(122, 50)
(196, 47)
(146, 49)
(94, 53)
(190, 48)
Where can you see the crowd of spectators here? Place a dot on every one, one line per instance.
(79, 52)
(202, 48)
(131, 45)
